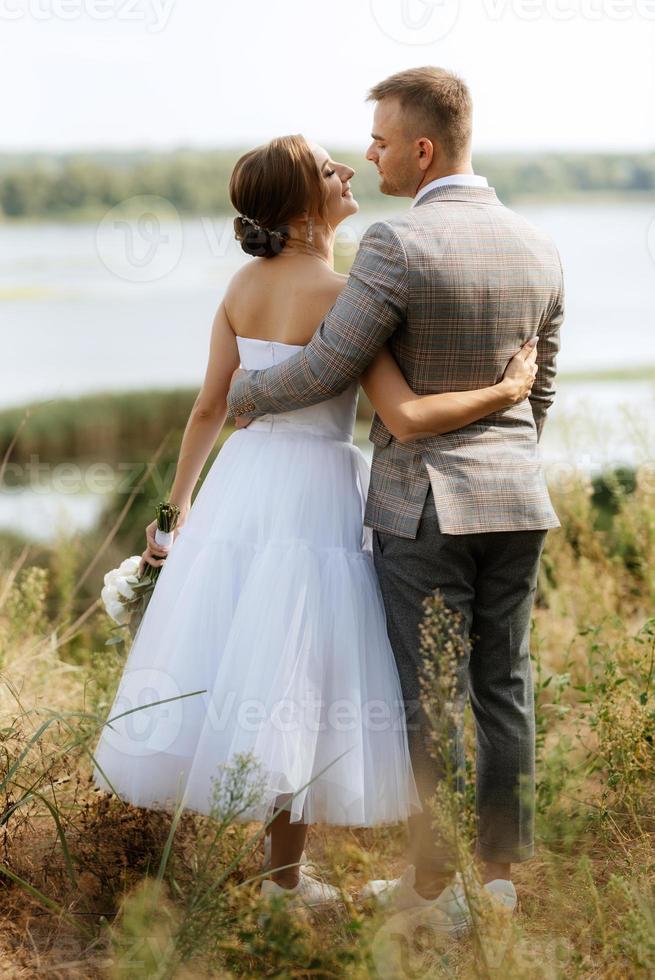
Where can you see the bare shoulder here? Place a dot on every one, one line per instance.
(318, 284)
(246, 283)
(291, 296)
(245, 276)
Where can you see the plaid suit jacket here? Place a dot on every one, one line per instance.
(456, 285)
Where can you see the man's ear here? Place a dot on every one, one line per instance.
(425, 153)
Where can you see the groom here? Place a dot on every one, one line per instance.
(455, 285)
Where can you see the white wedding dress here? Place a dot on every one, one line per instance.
(268, 605)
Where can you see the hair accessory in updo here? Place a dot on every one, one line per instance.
(257, 240)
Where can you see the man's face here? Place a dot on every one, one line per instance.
(394, 153)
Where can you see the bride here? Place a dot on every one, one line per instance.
(265, 636)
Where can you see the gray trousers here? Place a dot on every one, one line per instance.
(490, 578)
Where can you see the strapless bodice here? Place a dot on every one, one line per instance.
(331, 419)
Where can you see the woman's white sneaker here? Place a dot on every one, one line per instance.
(309, 892)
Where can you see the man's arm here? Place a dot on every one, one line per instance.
(543, 391)
(371, 306)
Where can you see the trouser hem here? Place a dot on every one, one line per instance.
(491, 852)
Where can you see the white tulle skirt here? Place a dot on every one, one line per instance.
(265, 640)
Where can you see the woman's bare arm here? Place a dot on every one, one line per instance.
(409, 416)
(206, 419)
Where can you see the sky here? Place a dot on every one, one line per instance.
(94, 74)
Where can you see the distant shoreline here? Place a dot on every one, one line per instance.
(592, 198)
(608, 374)
(598, 376)
(85, 185)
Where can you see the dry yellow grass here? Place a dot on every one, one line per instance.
(89, 889)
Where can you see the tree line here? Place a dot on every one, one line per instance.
(85, 185)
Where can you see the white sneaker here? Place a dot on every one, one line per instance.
(503, 892)
(452, 902)
(399, 893)
(394, 892)
(500, 890)
(309, 892)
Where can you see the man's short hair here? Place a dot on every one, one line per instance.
(437, 102)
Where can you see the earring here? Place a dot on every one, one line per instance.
(310, 231)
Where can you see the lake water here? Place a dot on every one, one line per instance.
(119, 304)
(75, 320)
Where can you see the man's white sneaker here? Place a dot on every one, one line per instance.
(308, 892)
(503, 892)
(387, 891)
(452, 902)
(398, 894)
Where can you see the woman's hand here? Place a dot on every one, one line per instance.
(520, 373)
(409, 416)
(155, 554)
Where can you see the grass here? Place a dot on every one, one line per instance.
(93, 887)
(123, 426)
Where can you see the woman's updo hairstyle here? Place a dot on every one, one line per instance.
(270, 187)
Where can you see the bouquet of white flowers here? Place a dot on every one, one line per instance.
(125, 593)
(118, 591)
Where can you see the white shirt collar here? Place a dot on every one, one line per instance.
(464, 180)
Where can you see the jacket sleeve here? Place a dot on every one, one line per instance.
(372, 305)
(543, 390)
